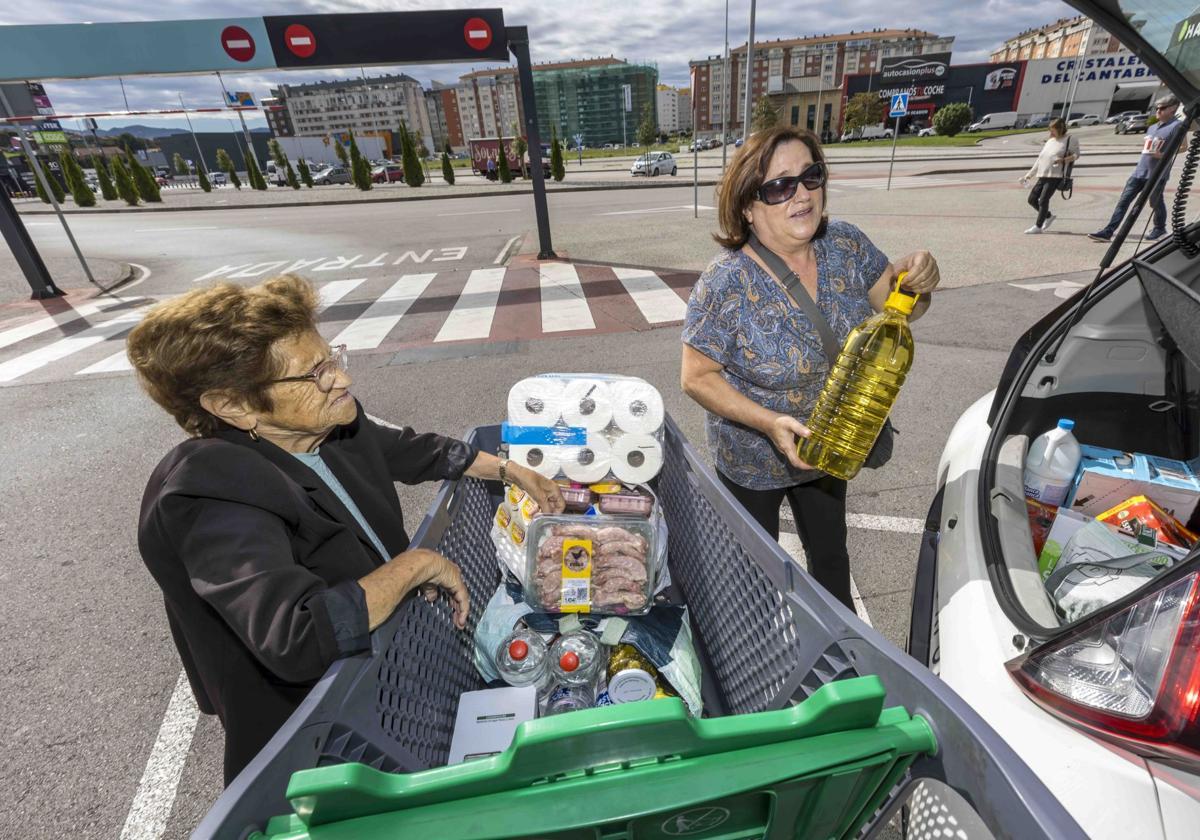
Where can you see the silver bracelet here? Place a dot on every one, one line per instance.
(504, 470)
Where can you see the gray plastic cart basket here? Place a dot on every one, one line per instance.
(767, 635)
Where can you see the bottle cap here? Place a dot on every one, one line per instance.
(899, 299)
(518, 650)
(569, 661)
(1066, 423)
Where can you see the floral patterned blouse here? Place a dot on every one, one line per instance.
(740, 317)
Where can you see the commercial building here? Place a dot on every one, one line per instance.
(802, 76)
(589, 98)
(375, 105)
(1065, 38)
(674, 109)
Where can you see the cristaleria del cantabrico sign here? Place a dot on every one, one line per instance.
(1122, 67)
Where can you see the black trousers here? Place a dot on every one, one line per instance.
(819, 508)
(1040, 195)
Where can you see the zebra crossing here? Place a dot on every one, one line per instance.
(384, 313)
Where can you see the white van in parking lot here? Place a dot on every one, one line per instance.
(1000, 119)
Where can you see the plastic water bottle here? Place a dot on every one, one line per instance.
(861, 389)
(523, 659)
(1051, 464)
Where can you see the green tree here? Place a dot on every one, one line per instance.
(142, 179)
(864, 109)
(764, 116)
(203, 179)
(130, 141)
(360, 170)
(56, 186)
(181, 167)
(125, 187)
(413, 175)
(73, 172)
(292, 180)
(503, 170)
(522, 148)
(340, 148)
(226, 163)
(953, 118)
(37, 182)
(447, 169)
(647, 131)
(305, 173)
(257, 181)
(107, 190)
(277, 153)
(557, 170)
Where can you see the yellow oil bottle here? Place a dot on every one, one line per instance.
(861, 388)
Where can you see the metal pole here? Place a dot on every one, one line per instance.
(749, 75)
(892, 162)
(1079, 71)
(24, 251)
(724, 100)
(201, 165)
(696, 158)
(40, 284)
(245, 129)
(624, 134)
(374, 122)
(518, 44)
(123, 96)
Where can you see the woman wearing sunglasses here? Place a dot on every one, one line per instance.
(275, 531)
(753, 358)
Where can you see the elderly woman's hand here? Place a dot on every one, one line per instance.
(923, 274)
(544, 492)
(785, 432)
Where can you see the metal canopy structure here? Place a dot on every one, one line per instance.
(280, 42)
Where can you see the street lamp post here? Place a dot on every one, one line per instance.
(728, 93)
(749, 76)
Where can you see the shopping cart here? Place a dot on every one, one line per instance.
(816, 726)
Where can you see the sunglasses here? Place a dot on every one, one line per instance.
(782, 189)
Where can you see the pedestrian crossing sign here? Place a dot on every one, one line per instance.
(899, 105)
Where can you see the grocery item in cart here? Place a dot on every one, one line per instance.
(576, 658)
(570, 698)
(631, 677)
(593, 564)
(524, 659)
(626, 502)
(1147, 523)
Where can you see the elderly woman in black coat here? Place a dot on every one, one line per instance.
(275, 532)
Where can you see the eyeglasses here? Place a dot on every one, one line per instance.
(782, 189)
(1164, 107)
(325, 374)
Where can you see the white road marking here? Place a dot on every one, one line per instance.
(151, 807)
(165, 229)
(369, 329)
(332, 292)
(868, 522)
(503, 255)
(43, 356)
(790, 543)
(472, 314)
(474, 213)
(116, 363)
(15, 334)
(657, 301)
(655, 210)
(564, 306)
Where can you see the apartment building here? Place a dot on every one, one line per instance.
(489, 103)
(674, 109)
(1065, 38)
(441, 100)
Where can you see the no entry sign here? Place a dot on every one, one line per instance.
(478, 33)
(237, 43)
(300, 40)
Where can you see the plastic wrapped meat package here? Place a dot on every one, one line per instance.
(593, 564)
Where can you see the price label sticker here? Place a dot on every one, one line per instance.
(577, 576)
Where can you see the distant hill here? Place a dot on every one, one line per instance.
(145, 132)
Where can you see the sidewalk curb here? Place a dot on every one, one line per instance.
(1124, 164)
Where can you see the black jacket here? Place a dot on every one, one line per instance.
(258, 561)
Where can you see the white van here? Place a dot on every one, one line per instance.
(1000, 119)
(868, 132)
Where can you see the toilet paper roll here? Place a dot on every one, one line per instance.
(535, 401)
(587, 464)
(540, 459)
(637, 407)
(587, 403)
(636, 458)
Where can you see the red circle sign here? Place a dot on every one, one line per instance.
(478, 33)
(300, 40)
(237, 43)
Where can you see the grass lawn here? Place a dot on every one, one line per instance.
(963, 139)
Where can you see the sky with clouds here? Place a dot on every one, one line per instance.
(665, 33)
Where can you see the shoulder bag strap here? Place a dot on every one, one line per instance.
(803, 299)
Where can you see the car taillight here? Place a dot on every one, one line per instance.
(1132, 676)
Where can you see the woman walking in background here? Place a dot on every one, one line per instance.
(1057, 154)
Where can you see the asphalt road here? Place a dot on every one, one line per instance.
(90, 666)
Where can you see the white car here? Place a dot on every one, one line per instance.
(927, 131)
(1086, 119)
(1121, 117)
(1097, 689)
(655, 163)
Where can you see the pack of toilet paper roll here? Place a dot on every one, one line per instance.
(586, 428)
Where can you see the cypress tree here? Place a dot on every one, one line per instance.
(181, 167)
(257, 181)
(340, 148)
(143, 181)
(292, 180)
(226, 163)
(37, 184)
(557, 170)
(502, 170)
(203, 179)
(124, 180)
(447, 169)
(305, 173)
(413, 176)
(107, 190)
(360, 170)
(80, 191)
(55, 185)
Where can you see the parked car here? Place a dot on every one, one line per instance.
(1121, 117)
(996, 120)
(332, 175)
(928, 131)
(387, 174)
(1038, 121)
(1135, 124)
(655, 163)
(162, 180)
(1099, 693)
(218, 178)
(1086, 119)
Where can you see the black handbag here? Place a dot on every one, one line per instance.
(881, 452)
(1066, 187)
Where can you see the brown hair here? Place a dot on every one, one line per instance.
(1060, 124)
(739, 188)
(220, 338)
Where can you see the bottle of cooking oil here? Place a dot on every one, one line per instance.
(861, 388)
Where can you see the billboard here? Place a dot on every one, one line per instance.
(914, 68)
(986, 87)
